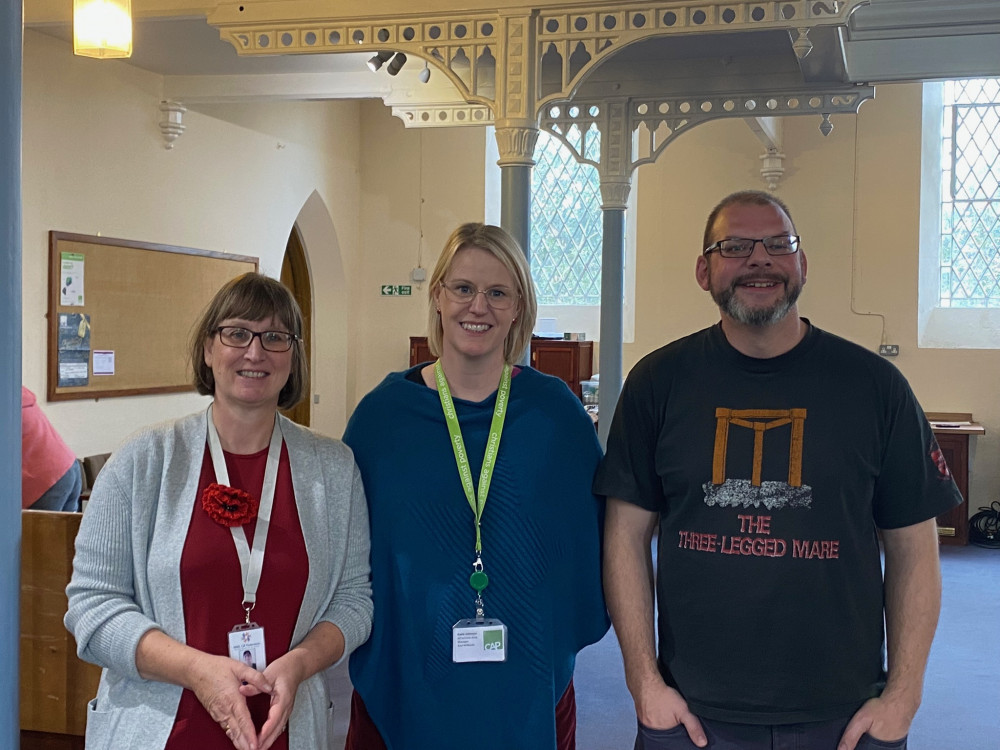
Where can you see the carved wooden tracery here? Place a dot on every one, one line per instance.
(497, 58)
(520, 68)
(658, 121)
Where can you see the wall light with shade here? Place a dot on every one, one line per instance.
(102, 28)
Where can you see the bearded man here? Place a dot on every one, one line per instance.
(772, 458)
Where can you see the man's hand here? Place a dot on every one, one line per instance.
(628, 589)
(662, 707)
(882, 718)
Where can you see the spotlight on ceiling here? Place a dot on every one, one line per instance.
(396, 64)
(425, 74)
(376, 62)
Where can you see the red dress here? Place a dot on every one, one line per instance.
(212, 590)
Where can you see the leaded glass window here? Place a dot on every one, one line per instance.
(566, 224)
(970, 194)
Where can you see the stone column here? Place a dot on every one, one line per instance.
(516, 145)
(614, 197)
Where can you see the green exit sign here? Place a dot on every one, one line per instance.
(396, 290)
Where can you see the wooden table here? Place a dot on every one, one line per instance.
(953, 430)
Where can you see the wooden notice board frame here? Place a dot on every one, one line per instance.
(139, 301)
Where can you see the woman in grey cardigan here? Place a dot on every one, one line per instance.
(225, 531)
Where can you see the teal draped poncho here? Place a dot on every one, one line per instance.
(541, 534)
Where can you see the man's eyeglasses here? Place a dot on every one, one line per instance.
(742, 247)
(462, 292)
(241, 338)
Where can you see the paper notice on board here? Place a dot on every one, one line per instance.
(104, 362)
(74, 350)
(71, 280)
(74, 331)
(73, 369)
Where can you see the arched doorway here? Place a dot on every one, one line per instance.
(295, 276)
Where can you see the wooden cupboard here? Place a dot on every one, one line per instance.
(953, 431)
(571, 361)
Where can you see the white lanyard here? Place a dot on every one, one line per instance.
(251, 561)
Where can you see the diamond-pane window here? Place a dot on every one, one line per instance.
(566, 224)
(970, 194)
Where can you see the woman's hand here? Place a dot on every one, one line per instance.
(284, 674)
(215, 680)
(321, 647)
(219, 683)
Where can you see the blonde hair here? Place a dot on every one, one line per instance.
(502, 246)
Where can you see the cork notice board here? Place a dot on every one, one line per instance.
(121, 313)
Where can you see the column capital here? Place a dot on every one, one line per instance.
(614, 193)
(516, 144)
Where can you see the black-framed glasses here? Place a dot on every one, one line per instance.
(271, 341)
(742, 247)
(462, 292)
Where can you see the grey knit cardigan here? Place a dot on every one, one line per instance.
(126, 572)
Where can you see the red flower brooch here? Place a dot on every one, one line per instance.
(229, 506)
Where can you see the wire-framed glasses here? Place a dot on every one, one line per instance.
(462, 292)
(271, 341)
(742, 247)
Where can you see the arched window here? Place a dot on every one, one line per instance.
(970, 194)
(959, 295)
(566, 225)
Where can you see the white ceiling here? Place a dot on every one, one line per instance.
(943, 42)
(190, 47)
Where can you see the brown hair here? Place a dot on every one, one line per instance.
(742, 198)
(501, 245)
(252, 296)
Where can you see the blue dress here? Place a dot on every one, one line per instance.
(541, 535)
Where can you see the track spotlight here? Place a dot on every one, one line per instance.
(396, 64)
(425, 74)
(376, 62)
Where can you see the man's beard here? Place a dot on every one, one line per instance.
(756, 316)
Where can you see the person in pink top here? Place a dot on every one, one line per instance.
(50, 473)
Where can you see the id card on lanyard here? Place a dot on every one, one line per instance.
(479, 638)
(246, 639)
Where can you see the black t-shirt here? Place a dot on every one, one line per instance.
(770, 477)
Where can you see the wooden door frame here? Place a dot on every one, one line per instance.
(295, 276)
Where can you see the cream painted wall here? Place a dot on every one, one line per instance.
(450, 165)
(94, 162)
(237, 180)
(854, 196)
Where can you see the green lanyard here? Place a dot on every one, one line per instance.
(477, 500)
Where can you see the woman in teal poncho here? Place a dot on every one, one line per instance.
(477, 625)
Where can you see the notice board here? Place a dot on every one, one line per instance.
(121, 313)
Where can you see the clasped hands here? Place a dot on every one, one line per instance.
(222, 685)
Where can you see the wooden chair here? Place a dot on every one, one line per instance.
(92, 466)
(85, 484)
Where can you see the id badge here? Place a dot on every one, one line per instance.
(246, 644)
(479, 639)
